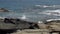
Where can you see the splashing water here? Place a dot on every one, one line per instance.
(23, 17)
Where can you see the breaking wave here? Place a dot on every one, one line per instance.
(35, 15)
(23, 17)
(51, 12)
(44, 6)
(52, 20)
(48, 6)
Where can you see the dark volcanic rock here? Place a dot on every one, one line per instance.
(8, 25)
(3, 10)
(16, 24)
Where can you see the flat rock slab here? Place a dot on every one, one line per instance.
(7, 26)
(32, 31)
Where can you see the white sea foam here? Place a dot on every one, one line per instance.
(40, 22)
(52, 20)
(23, 17)
(45, 6)
(51, 12)
(2, 17)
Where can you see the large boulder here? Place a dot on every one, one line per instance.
(11, 23)
(43, 26)
(3, 10)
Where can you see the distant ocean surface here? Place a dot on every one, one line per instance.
(31, 10)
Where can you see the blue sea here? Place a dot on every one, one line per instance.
(31, 10)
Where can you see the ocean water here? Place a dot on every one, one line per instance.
(31, 10)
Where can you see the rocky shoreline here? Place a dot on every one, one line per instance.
(25, 26)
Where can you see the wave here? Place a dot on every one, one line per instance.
(51, 12)
(52, 20)
(23, 17)
(2, 17)
(40, 21)
(44, 6)
(48, 6)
